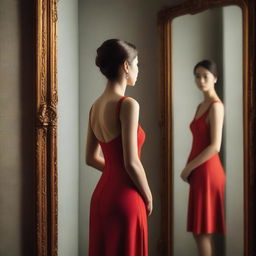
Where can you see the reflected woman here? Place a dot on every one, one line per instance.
(122, 198)
(204, 171)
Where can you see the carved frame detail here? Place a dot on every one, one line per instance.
(165, 17)
(46, 128)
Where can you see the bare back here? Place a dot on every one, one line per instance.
(103, 117)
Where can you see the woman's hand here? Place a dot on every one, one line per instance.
(149, 207)
(185, 173)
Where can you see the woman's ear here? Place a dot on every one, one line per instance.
(126, 66)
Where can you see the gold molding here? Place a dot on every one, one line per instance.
(46, 128)
(165, 17)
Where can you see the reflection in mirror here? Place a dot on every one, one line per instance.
(213, 34)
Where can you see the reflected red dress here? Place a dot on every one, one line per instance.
(118, 218)
(206, 195)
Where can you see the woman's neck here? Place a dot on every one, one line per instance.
(116, 87)
(210, 95)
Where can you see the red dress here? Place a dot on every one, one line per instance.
(118, 218)
(206, 195)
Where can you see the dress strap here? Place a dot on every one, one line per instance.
(214, 101)
(119, 106)
(197, 110)
(206, 111)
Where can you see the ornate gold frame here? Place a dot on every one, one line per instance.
(165, 17)
(46, 128)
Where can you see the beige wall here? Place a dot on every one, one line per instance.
(68, 126)
(17, 170)
(233, 130)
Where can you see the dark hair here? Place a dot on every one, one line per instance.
(207, 64)
(111, 54)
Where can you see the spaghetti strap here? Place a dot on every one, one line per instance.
(216, 101)
(197, 111)
(117, 108)
(206, 111)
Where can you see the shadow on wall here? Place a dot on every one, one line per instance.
(27, 109)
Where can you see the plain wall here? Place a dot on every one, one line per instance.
(233, 132)
(68, 128)
(17, 123)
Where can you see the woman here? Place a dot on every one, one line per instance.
(204, 171)
(122, 198)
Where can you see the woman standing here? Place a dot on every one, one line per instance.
(122, 198)
(204, 171)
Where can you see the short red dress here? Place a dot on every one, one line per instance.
(207, 181)
(118, 218)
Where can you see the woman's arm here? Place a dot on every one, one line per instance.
(92, 155)
(129, 116)
(216, 116)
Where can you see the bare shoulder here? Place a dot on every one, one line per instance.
(95, 103)
(130, 107)
(217, 108)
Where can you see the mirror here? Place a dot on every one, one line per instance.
(212, 34)
(191, 32)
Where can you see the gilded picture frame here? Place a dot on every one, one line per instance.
(46, 128)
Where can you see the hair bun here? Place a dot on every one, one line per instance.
(111, 54)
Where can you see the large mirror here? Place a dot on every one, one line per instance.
(212, 34)
(191, 32)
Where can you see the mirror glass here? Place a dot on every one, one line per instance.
(212, 34)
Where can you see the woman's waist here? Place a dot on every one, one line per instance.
(115, 187)
(115, 177)
(194, 154)
(212, 163)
